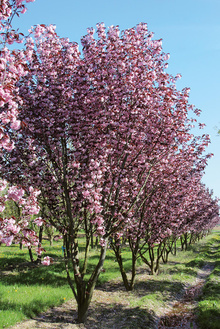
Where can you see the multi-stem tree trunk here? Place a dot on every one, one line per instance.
(168, 246)
(154, 258)
(83, 290)
(184, 241)
(128, 283)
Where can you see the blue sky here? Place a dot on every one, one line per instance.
(190, 30)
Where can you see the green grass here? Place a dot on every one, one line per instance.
(29, 291)
(180, 271)
(209, 304)
(19, 302)
(25, 292)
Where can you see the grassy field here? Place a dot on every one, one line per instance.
(25, 292)
(209, 301)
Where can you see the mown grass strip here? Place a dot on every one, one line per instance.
(209, 301)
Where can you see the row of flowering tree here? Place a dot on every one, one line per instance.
(153, 235)
(105, 137)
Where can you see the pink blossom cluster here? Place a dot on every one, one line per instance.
(47, 261)
(12, 67)
(18, 230)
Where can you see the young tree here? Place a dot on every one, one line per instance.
(94, 131)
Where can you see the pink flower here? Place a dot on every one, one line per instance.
(39, 251)
(7, 240)
(2, 208)
(3, 184)
(39, 221)
(15, 124)
(102, 242)
(15, 193)
(46, 261)
(23, 10)
(85, 193)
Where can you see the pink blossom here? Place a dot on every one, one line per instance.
(3, 184)
(39, 251)
(15, 193)
(39, 221)
(15, 124)
(7, 240)
(2, 207)
(46, 261)
(86, 193)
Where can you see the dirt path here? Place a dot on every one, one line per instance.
(182, 314)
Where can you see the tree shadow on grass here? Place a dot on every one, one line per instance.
(40, 275)
(19, 264)
(10, 263)
(205, 316)
(117, 316)
(212, 291)
(188, 270)
(102, 316)
(144, 288)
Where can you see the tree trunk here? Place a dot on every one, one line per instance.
(30, 254)
(92, 242)
(85, 290)
(82, 312)
(184, 241)
(67, 246)
(84, 269)
(154, 262)
(117, 252)
(51, 240)
(165, 256)
(173, 250)
(38, 261)
(129, 286)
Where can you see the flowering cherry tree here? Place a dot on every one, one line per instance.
(99, 134)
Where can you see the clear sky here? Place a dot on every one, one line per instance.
(190, 30)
